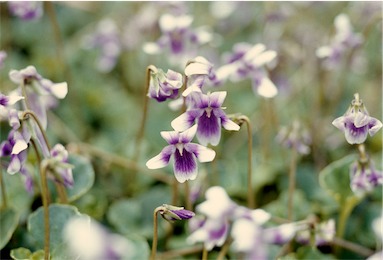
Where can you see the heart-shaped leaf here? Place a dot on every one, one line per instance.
(8, 223)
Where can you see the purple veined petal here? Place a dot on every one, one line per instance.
(14, 164)
(200, 100)
(185, 166)
(361, 119)
(162, 159)
(355, 135)
(265, 87)
(172, 137)
(217, 231)
(186, 120)
(209, 129)
(202, 153)
(217, 98)
(374, 126)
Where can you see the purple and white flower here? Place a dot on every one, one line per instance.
(356, 122)
(178, 38)
(87, 239)
(106, 38)
(60, 169)
(207, 112)
(364, 177)
(184, 153)
(26, 10)
(172, 213)
(163, 86)
(6, 103)
(344, 39)
(295, 137)
(249, 61)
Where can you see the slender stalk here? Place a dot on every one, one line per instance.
(155, 233)
(141, 130)
(44, 189)
(204, 253)
(250, 192)
(345, 211)
(175, 192)
(188, 204)
(3, 193)
(292, 173)
(181, 252)
(363, 251)
(29, 113)
(224, 249)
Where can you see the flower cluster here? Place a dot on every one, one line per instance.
(364, 177)
(344, 39)
(26, 10)
(204, 117)
(295, 137)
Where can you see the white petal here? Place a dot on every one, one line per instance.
(254, 52)
(375, 125)
(167, 22)
(170, 136)
(202, 153)
(151, 48)
(216, 98)
(188, 134)
(14, 165)
(182, 122)
(267, 88)
(19, 146)
(230, 125)
(15, 76)
(60, 90)
(190, 89)
(162, 159)
(323, 52)
(14, 98)
(260, 216)
(339, 123)
(196, 68)
(264, 58)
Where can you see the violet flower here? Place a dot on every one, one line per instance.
(344, 39)
(364, 177)
(60, 169)
(178, 38)
(87, 239)
(249, 61)
(324, 233)
(356, 122)
(163, 86)
(106, 38)
(295, 137)
(207, 112)
(6, 103)
(172, 213)
(26, 10)
(184, 152)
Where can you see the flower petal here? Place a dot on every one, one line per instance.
(162, 159)
(14, 165)
(374, 126)
(355, 135)
(185, 166)
(266, 88)
(188, 135)
(202, 153)
(229, 124)
(186, 120)
(339, 123)
(254, 52)
(209, 129)
(59, 90)
(264, 58)
(171, 137)
(216, 98)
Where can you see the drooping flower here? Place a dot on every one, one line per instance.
(356, 122)
(106, 38)
(58, 166)
(172, 213)
(6, 103)
(184, 154)
(87, 239)
(364, 177)
(164, 86)
(178, 38)
(207, 112)
(295, 137)
(249, 61)
(343, 40)
(26, 10)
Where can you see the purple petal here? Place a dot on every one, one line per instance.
(185, 166)
(14, 164)
(162, 159)
(209, 129)
(217, 98)
(171, 137)
(355, 135)
(188, 135)
(374, 126)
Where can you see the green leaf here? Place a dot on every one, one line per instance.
(335, 178)
(20, 253)
(83, 175)
(126, 216)
(312, 253)
(59, 215)
(38, 255)
(8, 223)
(141, 247)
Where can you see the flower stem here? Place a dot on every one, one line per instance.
(204, 253)
(3, 193)
(360, 250)
(224, 249)
(44, 189)
(155, 233)
(29, 113)
(292, 174)
(250, 192)
(188, 204)
(345, 211)
(175, 192)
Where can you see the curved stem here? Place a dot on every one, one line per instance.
(292, 174)
(346, 209)
(204, 253)
(224, 249)
(155, 233)
(188, 204)
(44, 189)
(363, 251)
(250, 192)
(26, 115)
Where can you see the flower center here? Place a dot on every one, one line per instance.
(180, 147)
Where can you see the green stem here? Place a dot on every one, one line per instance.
(224, 249)
(188, 204)
(3, 193)
(29, 113)
(174, 192)
(204, 253)
(155, 233)
(345, 211)
(250, 192)
(292, 174)
(44, 189)
(361, 250)
(172, 254)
